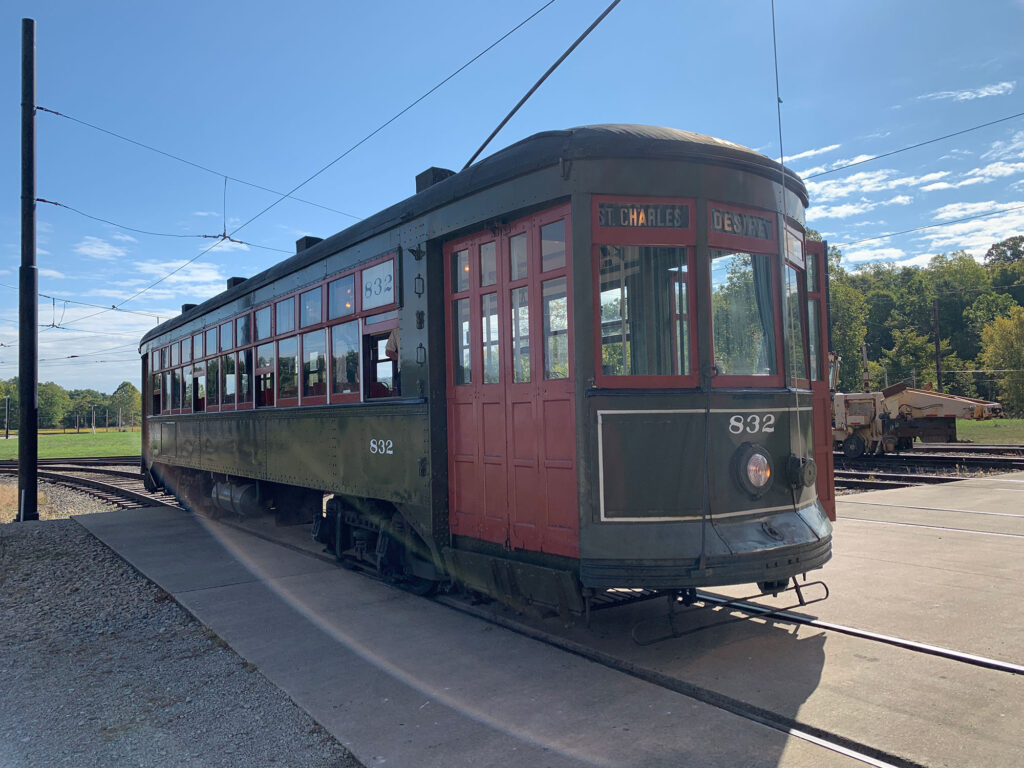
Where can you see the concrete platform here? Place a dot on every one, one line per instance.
(402, 680)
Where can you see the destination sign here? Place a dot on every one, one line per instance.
(665, 216)
(742, 224)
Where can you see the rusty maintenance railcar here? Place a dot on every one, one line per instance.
(591, 360)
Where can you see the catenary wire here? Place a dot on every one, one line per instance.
(912, 146)
(222, 236)
(190, 162)
(342, 155)
(930, 226)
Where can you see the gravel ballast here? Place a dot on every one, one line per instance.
(99, 666)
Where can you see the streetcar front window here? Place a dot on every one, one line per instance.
(743, 314)
(645, 324)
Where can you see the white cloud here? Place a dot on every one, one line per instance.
(123, 237)
(963, 210)
(864, 255)
(97, 248)
(866, 182)
(996, 89)
(1007, 150)
(813, 152)
(853, 209)
(43, 272)
(205, 213)
(975, 236)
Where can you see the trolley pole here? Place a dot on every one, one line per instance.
(28, 284)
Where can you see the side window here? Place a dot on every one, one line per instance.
(227, 380)
(263, 324)
(265, 360)
(310, 312)
(314, 364)
(345, 358)
(285, 316)
(287, 369)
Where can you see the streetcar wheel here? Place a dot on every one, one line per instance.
(854, 447)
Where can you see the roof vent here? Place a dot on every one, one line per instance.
(431, 176)
(306, 242)
(186, 307)
(233, 281)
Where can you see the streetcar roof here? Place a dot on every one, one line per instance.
(533, 153)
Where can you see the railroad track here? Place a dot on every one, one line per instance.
(120, 488)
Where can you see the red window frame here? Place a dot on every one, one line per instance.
(358, 315)
(725, 241)
(644, 237)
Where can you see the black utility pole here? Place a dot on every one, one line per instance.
(28, 318)
(938, 357)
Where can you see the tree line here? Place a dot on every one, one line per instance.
(75, 408)
(973, 308)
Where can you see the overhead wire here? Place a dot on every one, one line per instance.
(190, 162)
(912, 146)
(930, 226)
(348, 151)
(222, 236)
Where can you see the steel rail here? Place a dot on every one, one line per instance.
(899, 642)
(144, 499)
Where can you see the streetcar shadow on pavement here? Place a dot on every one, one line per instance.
(524, 690)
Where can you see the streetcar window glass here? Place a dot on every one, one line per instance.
(517, 256)
(186, 351)
(345, 358)
(645, 320)
(552, 244)
(314, 364)
(262, 328)
(488, 264)
(227, 380)
(197, 346)
(813, 339)
(154, 394)
(174, 353)
(195, 388)
(188, 389)
(795, 326)
(489, 337)
(556, 329)
(341, 297)
(176, 389)
(794, 247)
(211, 341)
(743, 314)
(378, 285)
(227, 334)
(519, 300)
(285, 316)
(460, 271)
(212, 382)
(287, 368)
(265, 375)
(245, 376)
(460, 341)
(165, 392)
(812, 273)
(383, 367)
(242, 336)
(163, 358)
(311, 312)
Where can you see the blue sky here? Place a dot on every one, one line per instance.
(268, 93)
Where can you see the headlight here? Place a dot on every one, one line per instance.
(753, 469)
(759, 470)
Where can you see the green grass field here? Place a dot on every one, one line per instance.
(72, 445)
(992, 432)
